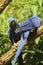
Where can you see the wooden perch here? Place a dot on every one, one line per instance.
(7, 56)
(4, 4)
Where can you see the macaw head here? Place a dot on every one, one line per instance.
(12, 22)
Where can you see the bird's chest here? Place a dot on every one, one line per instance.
(15, 36)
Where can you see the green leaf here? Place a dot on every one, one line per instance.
(40, 2)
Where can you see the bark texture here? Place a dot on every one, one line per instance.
(4, 5)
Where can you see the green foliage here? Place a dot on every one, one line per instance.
(21, 10)
(33, 54)
(5, 44)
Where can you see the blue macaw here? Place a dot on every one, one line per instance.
(14, 38)
(11, 31)
(23, 29)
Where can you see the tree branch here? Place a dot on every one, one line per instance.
(7, 56)
(4, 4)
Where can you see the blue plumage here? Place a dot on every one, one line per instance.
(11, 19)
(22, 43)
(25, 27)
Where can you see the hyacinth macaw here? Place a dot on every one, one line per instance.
(14, 38)
(23, 29)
